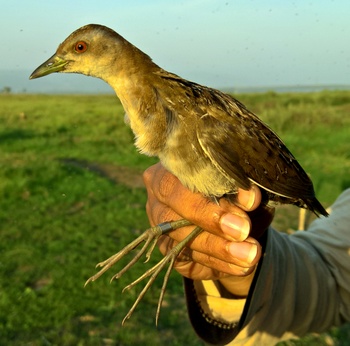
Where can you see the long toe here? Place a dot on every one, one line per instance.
(152, 273)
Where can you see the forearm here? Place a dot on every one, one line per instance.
(293, 294)
(302, 285)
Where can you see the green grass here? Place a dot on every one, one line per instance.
(59, 217)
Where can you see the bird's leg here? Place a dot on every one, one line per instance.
(150, 236)
(154, 272)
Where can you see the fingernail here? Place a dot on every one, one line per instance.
(247, 198)
(245, 252)
(235, 226)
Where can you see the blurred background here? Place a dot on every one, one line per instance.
(236, 45)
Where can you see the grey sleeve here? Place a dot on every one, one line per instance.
(302, 285)
(304, 281)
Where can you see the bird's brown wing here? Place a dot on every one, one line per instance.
(244, 148)
(237, 142)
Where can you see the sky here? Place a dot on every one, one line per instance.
(223, 44)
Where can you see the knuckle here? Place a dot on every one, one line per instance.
(159, 182)
(147, 176)
(164, 214)
(151, 176)
(166, 186)
(202, 211)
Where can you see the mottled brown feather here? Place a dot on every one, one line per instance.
(208, 139)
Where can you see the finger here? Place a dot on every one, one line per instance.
(244, 254)
(158, 212)
(157, 178)
(249, 200)
(191, 206)
(202, 266)
(229, 226)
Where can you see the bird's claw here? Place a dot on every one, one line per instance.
(150, 237)
(147, 236)
(154, 272)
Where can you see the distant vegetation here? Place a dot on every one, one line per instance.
(71, 196)
(6, 90)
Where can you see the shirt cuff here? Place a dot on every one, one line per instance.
(214, 305)
(216, 315)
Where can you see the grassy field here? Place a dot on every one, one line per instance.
(71, 195)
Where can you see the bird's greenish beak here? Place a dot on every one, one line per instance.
(54, 64)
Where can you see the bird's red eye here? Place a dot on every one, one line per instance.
(81, 47)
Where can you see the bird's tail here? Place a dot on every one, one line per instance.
(310, 203)
(316, 207)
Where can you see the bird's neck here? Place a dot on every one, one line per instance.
(145, 115)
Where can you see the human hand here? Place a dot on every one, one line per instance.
(226, 249)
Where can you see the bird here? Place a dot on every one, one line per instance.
(208, 139)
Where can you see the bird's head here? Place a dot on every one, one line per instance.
(90, 50)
